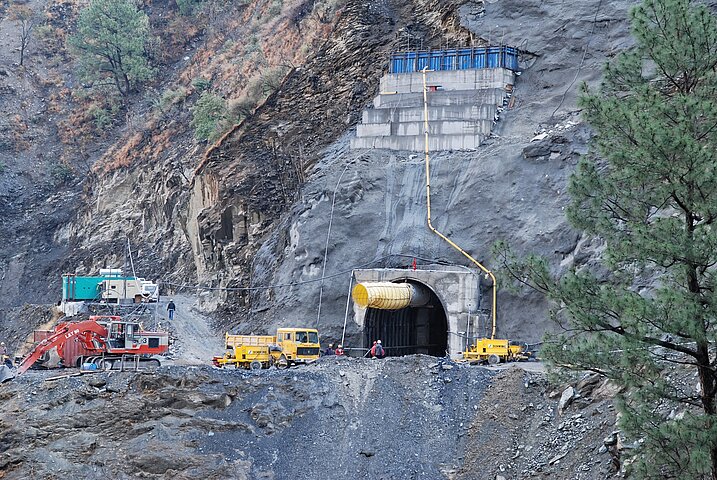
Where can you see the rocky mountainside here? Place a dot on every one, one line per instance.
(513, 188)
(411, 417)
(254, 209)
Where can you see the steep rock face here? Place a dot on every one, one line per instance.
(512, 188)
(255, 211)
(261, 165)
(141, 192)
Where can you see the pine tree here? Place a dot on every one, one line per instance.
(648, 191)
(111, 45)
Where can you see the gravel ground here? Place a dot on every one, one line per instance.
(415, 417)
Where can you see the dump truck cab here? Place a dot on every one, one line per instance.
(288, 347)
(299, 345)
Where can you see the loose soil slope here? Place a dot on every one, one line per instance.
(413, 417)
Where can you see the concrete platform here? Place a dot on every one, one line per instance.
(438, 127)
(450, 80)
(493, 96)
(462, 106)
(416, 143)
(415, 114)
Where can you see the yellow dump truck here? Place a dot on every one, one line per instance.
(289, 346)
(495, 351)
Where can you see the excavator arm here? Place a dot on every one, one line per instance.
(84, 330)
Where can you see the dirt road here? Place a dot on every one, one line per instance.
(195, 341)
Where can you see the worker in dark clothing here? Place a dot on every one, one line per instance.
(329, 350)
(171, 308)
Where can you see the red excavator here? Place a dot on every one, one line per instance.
(103, 341)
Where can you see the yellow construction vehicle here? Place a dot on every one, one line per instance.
(494, 351)
(289, 346)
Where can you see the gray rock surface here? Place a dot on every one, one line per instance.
(511, 189)
(395, 418)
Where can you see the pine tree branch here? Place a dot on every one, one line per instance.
(648, 340)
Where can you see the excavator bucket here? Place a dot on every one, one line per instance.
(6, 373)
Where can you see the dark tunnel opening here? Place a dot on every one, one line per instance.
(409, 330)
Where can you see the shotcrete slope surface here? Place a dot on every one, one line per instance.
(513, 188)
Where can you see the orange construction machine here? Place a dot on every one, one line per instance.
(103, 341)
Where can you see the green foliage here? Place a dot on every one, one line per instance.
(648, 190)
(272, 79)
(209, 115)
(167, 99)
(252, 45)
(275, 8)
(111, 45)
(201, 84)
(172, 97)
(47, 38)
(102, 117)
(189, 7)
(241, 108)
(60, 173)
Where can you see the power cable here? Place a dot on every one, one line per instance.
(304, 282)
(582, 61)
(328, 236)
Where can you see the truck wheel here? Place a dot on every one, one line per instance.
(255, 365)
(493, 359)
(282, 363)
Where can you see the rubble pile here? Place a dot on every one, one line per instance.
(411, 417)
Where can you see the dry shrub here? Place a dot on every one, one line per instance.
(179, 33)
(120, 155)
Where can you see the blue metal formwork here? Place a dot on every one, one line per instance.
(455, 59)
(465, 59)
(494, 57)
(423, 60)
(510, 58)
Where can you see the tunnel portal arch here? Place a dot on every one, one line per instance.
(410, 330)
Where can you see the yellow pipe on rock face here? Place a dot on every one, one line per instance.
(388, 295)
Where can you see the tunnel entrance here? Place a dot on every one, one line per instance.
(409, 330)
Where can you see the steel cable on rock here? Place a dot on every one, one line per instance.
(305, 282)
(582, 60)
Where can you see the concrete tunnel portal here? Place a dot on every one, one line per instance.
(409, 330)
(432, 310)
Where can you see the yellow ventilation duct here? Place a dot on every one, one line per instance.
(389, 296)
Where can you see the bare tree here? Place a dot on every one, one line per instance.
(27, 20)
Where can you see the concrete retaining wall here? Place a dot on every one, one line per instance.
(493, 96)
(441, 127)
(416, 143)
(462, 106)
(415, 114)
